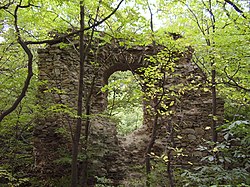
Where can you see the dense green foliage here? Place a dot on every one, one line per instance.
(217, 30)
(125, 101)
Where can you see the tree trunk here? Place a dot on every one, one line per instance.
(87, 128)
(77, 134)
(214, 107)
(149, 148)
(170, 156)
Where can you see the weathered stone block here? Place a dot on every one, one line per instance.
(191, 137)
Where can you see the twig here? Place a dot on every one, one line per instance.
(235, 84)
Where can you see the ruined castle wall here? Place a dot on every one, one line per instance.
(111, 155)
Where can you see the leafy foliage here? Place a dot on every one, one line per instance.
(125, 101)
(227, 162)
(225, 24)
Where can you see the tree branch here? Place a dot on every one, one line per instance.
(232, 82)
(30, 71)
(6, 6)
(196, 19)
(62, 38)
(151, 17)
(236, 8)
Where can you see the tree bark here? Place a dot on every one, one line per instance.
(87, 128)
(213, 78)
(77, 134)
(214, 107)
(149, 148)
(170, 156)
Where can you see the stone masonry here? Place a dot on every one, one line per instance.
(112, 156)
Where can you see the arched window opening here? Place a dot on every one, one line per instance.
(125, 101)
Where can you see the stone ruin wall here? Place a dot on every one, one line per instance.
(111, 155)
